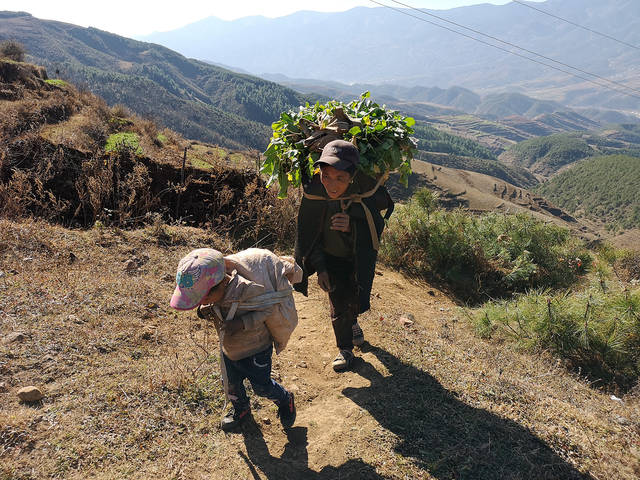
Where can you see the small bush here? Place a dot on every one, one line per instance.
(597, 330)
(477, 256)
(56, 82)
(121, 111)
(12, 50)
(121, 142)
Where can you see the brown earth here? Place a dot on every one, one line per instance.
(482, 193)
(132, 388)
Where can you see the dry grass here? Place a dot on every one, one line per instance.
(132, 388)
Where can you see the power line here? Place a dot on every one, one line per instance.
(519, 48)
(576, 24)
(513, 53)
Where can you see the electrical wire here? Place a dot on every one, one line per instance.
(577, 24)
(608, 87)
(519, 47)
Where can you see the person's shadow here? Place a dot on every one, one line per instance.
(293, 464)
(445, 436)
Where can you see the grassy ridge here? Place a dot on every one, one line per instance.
(546, 155)
(443, 148)
(199, 100)
(600, 188)
(512, 174)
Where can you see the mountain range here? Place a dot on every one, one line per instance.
(195, 98)
(380, 45)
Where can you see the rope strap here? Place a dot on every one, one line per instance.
(345, 202)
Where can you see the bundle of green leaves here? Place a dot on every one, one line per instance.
(382, 137)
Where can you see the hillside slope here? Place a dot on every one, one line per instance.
(67, 157)
(603, 188)
(132, 388)
(194, 98)
(478, 192)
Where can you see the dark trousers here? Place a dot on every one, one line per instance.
(257, 369)
(343, 298)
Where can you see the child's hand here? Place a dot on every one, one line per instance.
(340, 222)
(233, 326)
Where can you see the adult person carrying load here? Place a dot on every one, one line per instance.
(339, 229)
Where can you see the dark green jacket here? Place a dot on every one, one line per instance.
(311, 218)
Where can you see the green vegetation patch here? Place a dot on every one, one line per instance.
(199, 163)
(431, 139)
(56, 82)
(123, 141)
(600, 188)
(479, 256)
(597, 329)
(548, 154)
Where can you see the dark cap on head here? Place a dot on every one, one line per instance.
(340, 154)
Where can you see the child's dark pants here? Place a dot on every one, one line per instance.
(343, 298)
(257, 369)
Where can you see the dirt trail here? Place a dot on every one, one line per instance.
(426, 400)
(132, 388)
(332, 431)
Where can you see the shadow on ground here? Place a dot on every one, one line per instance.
(446, 437)
(293, 464)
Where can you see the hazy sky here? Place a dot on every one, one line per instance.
(133, 17)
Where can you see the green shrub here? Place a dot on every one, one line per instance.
(120, 142)
(597, 330)
(57, 82)
(492, 254)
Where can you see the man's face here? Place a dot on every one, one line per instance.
(335, 181)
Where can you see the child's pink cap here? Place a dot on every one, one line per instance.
(198, 273)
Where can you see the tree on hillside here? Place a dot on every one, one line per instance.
(12, 50)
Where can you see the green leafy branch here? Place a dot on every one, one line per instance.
(382, 137)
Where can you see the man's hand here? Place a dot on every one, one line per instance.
(233, 326)
(323, 281)
(340, 222)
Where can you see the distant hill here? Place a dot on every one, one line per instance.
(197, 99)
(505, 104)
(417, 100)
(379, 45)
(546, 155)
(600, 188)
(431, 139)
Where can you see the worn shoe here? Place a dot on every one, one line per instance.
(343, 360)
(287, 412)
(234, 418)
(358, 336)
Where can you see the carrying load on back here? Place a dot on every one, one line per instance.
(341, 155)
(381, 136)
